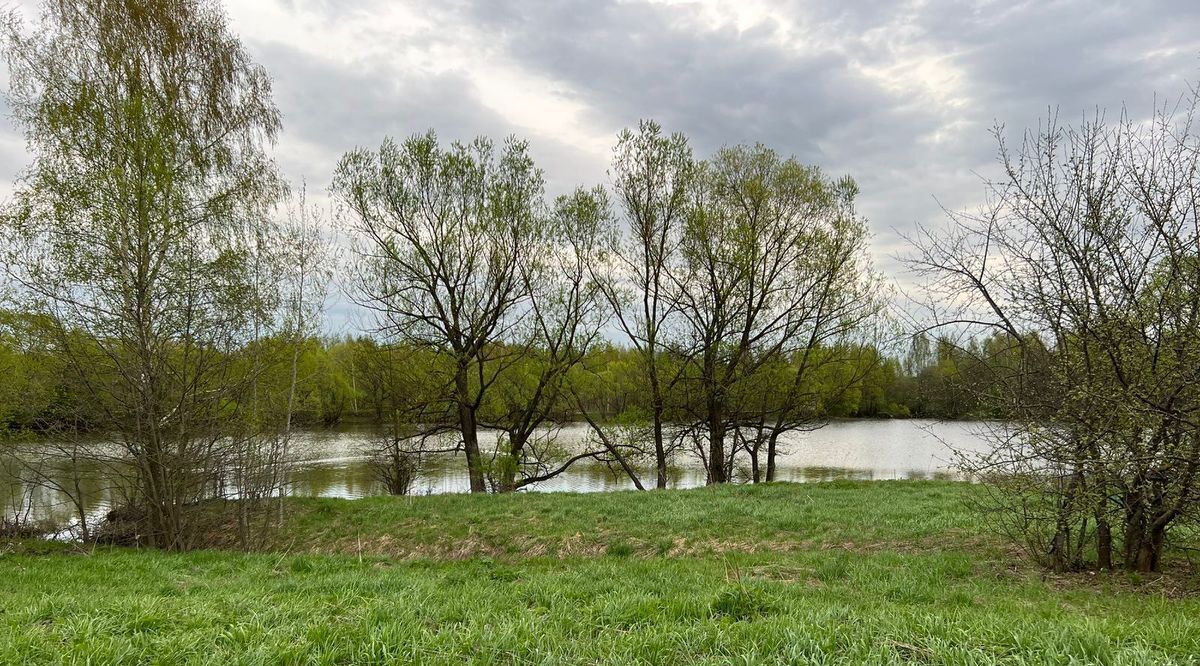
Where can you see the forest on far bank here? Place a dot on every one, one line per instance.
(359, 380)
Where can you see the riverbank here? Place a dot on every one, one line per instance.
(833, 572)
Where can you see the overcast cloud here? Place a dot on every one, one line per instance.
(899, 95)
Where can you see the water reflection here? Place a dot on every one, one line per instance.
(329, 464)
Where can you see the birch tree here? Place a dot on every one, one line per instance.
(130, 230)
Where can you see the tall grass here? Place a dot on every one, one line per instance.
(898, 594)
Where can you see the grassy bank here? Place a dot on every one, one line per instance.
(827, 573)
(775, 517)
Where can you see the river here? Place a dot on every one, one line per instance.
(328, 463)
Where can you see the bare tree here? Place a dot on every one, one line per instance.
(394, 462)
(291, 267)
(1085, 262)
(308, 256)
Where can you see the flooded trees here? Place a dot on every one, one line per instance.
(561, 325)
(728, 270)
(460, 256)
(653, 177)
(772, 265)
(128, 233)
(443, 238)
(1086, 262)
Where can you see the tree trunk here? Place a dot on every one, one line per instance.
(287, 427)
(77, 497)
(470, 430)
(755, 469)
(157, 493)
(612, 449)
(771, 445)
(660, 450)
(716, 443)
(1061, 552)
(1149, 554)
(1060, 549)
(508, 467)
(1104, 540)
(1134, 527)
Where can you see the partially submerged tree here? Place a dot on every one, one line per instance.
(443, 235)
(130, 231)
(653, 176)
(565, 312)
(772, 265)
(1085, 263)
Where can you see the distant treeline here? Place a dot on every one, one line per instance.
(357, 379)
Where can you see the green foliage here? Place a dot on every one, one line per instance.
(132, 234)
(34, 394)
(358, 379)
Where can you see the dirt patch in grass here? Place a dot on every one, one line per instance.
(597, 545)
(1182, 581)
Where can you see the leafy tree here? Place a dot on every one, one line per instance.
(653, 175)
(771, 263)
(130, 231)
(443, 237)
(565, 313)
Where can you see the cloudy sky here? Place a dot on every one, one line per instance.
(900, 95)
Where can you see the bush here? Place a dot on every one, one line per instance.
(396, 467)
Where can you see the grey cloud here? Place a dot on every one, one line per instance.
(623, 61)
(337, 108)
(633, 60)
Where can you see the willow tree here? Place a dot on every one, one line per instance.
(442, 238)
(834, 318)
(561, 325)
(653, 174)
(130, 229)
(771, 264)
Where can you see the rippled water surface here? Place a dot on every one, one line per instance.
(329, 463)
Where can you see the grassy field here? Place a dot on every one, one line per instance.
(885, 572)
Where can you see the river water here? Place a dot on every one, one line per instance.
(329, 463)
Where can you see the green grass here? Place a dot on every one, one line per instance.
(837, 573)
(768, 517)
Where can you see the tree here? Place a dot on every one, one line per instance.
(307, 255)
(443, 236)
(653, 176)
(566, 311)
(307, 259)
(1084, 262)
(130, 231)
(771, 263)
